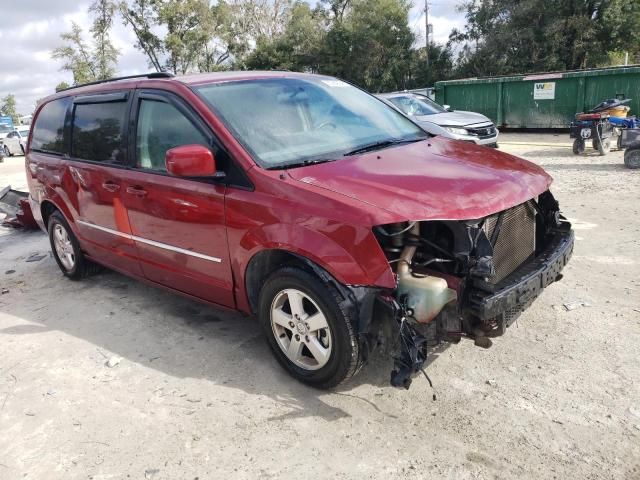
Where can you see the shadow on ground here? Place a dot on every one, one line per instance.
(166, 332)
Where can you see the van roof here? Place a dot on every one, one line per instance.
(154, 79)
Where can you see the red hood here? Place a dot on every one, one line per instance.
(433, 179)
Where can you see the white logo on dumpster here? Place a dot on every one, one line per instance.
(544, 91)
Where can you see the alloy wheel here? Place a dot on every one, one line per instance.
(64, 247)
(301, 329)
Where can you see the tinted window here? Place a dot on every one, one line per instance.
(161, 127)
(48, 132)
(97, 132)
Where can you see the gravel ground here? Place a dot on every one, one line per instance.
(197, 394)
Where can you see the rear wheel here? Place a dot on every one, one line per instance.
(578, 146)
(66, 249)
(308, 332)
(632, 158)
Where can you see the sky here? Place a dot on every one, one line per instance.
(30, 29)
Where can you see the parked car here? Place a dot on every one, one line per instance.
(440, 120)
(16, 141)
(299, 199)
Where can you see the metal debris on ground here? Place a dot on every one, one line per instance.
(15, 204)
(35, 257)
(575, 305)
(113, 361)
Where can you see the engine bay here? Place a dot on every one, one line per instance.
(468, 278)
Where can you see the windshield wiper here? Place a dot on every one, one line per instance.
(381, 144)
(304, 163)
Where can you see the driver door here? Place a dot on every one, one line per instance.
(178, 223)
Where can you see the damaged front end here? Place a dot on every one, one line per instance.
(466, 278)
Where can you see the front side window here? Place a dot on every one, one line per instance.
(292, 121)
(97, 132)
(48, 131)
(161, 127)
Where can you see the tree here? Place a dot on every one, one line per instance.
(441, 66)
(90, 62)
(367, 42)
(105, 55)
(77, 56)
(8, 108)
(519, 36)
(62, 86)
(140, 15)
(196, 35)
(298, 48)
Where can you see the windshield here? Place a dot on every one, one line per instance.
(292, 121)
(413, 105)
(24, 133)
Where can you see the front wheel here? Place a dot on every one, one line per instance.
(7, 152)
(307, 330)
(578, 146)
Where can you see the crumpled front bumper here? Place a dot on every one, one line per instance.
(517, 291)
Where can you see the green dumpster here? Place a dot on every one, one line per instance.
(545, 100)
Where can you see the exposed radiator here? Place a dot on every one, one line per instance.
(516, 240)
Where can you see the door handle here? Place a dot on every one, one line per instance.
(137, 191)
(110, 186)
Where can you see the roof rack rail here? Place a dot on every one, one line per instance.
(128, 77)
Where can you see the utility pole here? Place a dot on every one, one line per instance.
(426, 28)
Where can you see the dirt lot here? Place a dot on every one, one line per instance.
(197, 393)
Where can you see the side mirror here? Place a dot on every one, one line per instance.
(447, 107)
(191, 161)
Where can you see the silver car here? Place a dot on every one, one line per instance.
(439, 120)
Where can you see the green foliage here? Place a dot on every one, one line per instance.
(77, 56)
(367, 42)
(62, 86)
(199, 36)
(519, 36)
(87, 62)
(105, 54)
(8, 108)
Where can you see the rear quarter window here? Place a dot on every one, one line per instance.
(97, 133)
(48, 131)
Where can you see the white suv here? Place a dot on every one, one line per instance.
(16, 141)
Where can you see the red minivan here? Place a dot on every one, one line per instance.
(300, 199)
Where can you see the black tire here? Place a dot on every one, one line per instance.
(632, 158)
(7, 152)
(82, 267)
(345, 358)
(603, 146)
(578, 146)
(22, 148)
